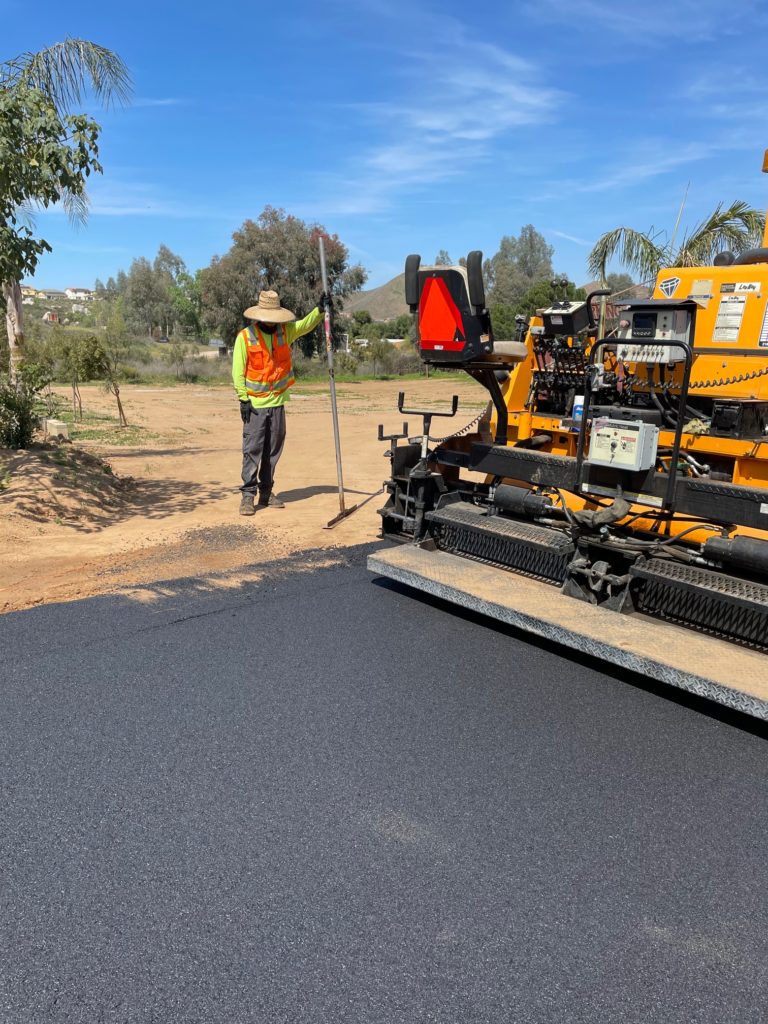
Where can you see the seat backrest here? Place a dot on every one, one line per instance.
(451, 329)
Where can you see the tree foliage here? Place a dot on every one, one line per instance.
(46, 152)
(65, 71)
(280, 252)
(519, 263)
(44, 157)
(619, 283)
(541, 295)
(158, 297)
(380, 354)
(18, 400)
(737, 227)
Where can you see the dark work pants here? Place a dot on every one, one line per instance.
(263, 440)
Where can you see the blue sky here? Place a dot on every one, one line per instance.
(410, 126)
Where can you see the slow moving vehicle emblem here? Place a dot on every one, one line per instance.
(669, 286)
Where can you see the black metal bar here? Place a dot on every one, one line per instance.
(487, 378)
(713, 500)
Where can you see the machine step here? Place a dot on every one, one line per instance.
(710, 602)
(463, 528)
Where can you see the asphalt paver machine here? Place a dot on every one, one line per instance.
(614, 496)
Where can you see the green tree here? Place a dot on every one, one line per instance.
(380, 353)
(176, 355)
(18, 402)
(361, 318)
(619, 283)
(737, 227)
(443, 259)
(81, 358)
(539, 296)
(145, 300)
(519, 264)
(277, 251)
(46, 152)
(115, 348)
(186, 297)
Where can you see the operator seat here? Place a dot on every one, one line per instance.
(453, 321)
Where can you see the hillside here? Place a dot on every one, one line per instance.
(383, 303)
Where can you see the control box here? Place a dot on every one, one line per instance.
(565, 318)
(640, 328)
(621, 445)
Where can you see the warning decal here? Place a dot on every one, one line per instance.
(701, 291)
(763, 339)
(729, 317)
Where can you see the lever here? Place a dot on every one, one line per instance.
(392, 437)
(426, 415)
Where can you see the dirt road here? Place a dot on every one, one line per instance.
(168, 508)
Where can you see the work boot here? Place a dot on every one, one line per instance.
(270, 500)
(246, 505)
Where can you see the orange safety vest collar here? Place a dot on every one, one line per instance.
(267, 373)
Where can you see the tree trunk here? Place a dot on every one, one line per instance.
(121, 413)
(77, 401)
(14, 322)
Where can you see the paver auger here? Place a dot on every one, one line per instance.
(626, 469)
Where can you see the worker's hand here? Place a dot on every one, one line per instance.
(324, 302)
(245, 411)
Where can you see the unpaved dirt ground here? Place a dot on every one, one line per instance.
(118, 510)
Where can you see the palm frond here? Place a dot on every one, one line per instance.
(636, 251)
(66, 71)
(736, 227)
(76, 206)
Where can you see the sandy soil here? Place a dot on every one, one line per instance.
(116, 511)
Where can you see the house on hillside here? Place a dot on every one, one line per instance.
(78, 293)
(28, 292)
(55, 294)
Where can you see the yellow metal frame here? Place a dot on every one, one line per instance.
(737, 366)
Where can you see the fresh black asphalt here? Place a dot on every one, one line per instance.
(326, 799)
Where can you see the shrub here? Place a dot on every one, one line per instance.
(345, 362)
(18, 402)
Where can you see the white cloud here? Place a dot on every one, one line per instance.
(456, 99)
(113, 198)
(569, 238)
(149, 101)
(654, 21)
(633, 166)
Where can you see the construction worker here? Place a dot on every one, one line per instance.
(262, 374)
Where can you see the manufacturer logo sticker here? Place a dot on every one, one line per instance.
(669, 286)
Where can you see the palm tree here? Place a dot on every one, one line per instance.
(65, 72)
(737, 227)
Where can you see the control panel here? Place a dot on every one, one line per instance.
(622, 445)
(565, 317)
(639, 328)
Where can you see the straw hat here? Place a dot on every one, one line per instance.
(268, 310)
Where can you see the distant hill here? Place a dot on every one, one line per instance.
(388, 300)
(383, 303)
